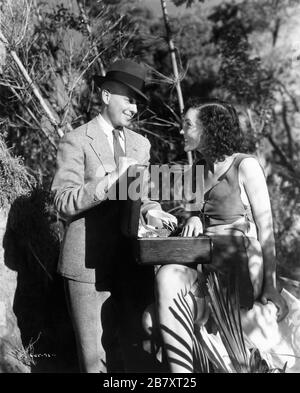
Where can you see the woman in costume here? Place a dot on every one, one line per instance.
(236, 204)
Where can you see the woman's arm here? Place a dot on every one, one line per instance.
(253, 180)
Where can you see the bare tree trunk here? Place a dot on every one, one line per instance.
(174, 64)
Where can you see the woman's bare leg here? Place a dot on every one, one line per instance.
(176, 311)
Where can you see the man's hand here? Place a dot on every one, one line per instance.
(160, 219)
(193, 227)
(270, 293)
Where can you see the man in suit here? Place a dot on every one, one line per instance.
(94, 255)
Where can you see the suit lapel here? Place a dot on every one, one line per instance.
(100, 145)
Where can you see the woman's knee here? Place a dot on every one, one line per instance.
(172, 280)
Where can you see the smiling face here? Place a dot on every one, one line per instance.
(120, 104)
(192, 130)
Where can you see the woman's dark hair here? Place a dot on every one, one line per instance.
(221, 127)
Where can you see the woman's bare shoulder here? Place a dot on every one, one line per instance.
(250, 166)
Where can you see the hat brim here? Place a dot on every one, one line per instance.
(99, 80)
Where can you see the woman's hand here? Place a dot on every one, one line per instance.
(193, 227)
(271, 293)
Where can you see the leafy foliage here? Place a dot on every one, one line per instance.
(240, 73)
(227, 318)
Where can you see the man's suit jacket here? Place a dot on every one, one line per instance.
(92, 239)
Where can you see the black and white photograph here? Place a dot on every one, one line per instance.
(149, 189)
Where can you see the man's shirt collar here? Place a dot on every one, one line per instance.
(108, 128)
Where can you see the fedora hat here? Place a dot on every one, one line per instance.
(127, 72)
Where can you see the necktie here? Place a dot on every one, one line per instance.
(118, 151)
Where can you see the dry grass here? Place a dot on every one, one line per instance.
(14, 178)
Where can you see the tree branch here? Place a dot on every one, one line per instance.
(89, 31)
(292, 98)
(31, 114)
(34, 88)
(281, 154)
(288, 130)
